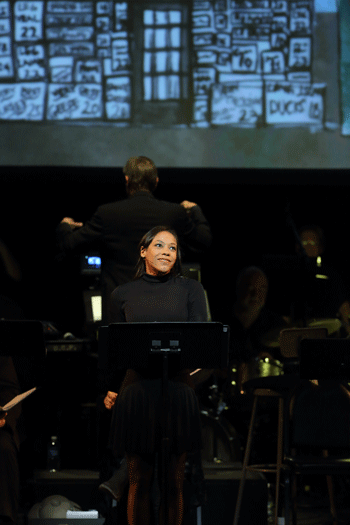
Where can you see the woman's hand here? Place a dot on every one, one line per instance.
(109, 400)
(188, 205)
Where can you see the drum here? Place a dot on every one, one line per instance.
(220, 440)
(266, 367)
(256, 367)
(210, 392)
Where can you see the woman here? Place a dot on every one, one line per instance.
(158, 293)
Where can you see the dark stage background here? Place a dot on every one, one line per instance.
(248, 220)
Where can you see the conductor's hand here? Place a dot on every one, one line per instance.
(188, 205)
(72, 223)
(3, 419)
(109, 400)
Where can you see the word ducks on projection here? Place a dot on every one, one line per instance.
(281, 103)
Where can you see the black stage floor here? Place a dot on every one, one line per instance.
(316, 516)
(305, 516)
(315, 510)
(313, 504)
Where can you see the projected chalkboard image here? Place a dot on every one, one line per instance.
(132, 63)
(175, 65)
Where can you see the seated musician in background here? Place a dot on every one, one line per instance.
(9, 444)
(327, 295)
(251, 323)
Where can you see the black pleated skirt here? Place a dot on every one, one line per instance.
(137, 420)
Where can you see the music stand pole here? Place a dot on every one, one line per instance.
(165, 438)
(165, 352)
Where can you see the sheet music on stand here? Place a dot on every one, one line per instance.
(16, 400)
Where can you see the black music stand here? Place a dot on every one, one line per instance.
(185, 345)
(22, 338)
(24, 342)
(325, 359)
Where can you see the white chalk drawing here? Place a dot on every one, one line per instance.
(22, 101)
(239, 63)
(118, 96)
(162, 54)
(238, 102)
(74, 101)
(294, 103)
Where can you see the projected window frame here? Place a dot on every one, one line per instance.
(161, 73)
(162, 51)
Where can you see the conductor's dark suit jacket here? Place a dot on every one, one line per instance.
(118, 227)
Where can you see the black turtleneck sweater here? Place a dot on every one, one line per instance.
(151, 298)
(159, 299)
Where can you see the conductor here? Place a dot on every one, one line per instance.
(117, 227)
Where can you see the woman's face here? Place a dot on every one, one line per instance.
(160, 256)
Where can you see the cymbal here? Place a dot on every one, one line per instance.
(271, 338)
(332, 325)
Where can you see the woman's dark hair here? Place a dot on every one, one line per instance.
(140, 268)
